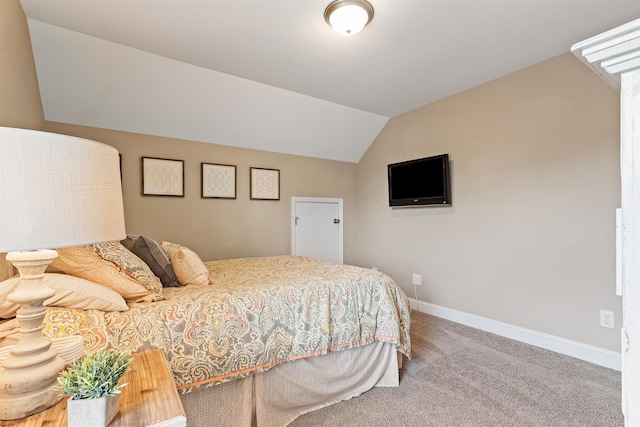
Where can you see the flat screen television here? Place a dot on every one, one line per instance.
(420, 182)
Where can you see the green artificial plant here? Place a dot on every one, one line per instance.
(95, 376)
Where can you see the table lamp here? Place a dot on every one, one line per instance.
(55, 191)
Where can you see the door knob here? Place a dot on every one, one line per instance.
(336, 221)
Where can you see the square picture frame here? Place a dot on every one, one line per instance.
(219, 181)
(162, 177)
(264, 184)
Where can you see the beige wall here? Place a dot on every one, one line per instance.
(217, 228)
(20, 104)
(530, 237)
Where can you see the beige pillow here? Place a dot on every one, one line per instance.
(70, 292)
(131, 265)
(189, 268)
(83, 262)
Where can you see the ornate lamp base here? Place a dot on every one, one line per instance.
(28, 375)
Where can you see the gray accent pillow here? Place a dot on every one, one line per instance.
(154, 256)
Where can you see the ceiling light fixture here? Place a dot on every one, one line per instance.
(348, 17)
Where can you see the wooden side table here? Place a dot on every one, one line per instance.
(149, 399)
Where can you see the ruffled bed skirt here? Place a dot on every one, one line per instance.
(278, 396)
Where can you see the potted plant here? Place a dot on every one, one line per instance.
(93, 385)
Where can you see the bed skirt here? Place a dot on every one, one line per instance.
(276, 397)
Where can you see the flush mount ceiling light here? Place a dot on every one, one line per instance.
(348, 17)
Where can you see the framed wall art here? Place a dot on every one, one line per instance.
(162, 177)
(265, 184)
(218, 181)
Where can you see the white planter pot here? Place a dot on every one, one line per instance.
(92, 412)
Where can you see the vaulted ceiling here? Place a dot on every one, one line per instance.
(272, 75)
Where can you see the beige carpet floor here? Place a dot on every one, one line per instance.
(460, 376)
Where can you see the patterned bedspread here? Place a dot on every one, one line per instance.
(258, 312)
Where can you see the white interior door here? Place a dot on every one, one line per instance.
(316, 228)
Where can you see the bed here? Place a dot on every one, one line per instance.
(254, 341)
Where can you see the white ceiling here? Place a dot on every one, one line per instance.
(272, 75)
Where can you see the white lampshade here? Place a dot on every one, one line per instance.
(348, 17)
(57, 191)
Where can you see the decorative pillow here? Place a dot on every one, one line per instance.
(70, 292)
(189, 268)
(83, 262)
(150, 251)
(131, 265)
(128, 241)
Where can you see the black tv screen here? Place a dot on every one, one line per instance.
(420, 182)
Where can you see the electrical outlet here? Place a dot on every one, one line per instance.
(606, 318)
(416, 279)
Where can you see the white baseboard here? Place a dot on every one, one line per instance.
(599, 356)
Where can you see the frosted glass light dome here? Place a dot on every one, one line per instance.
(348, 17)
